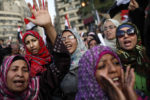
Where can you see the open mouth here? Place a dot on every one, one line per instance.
(116, 80)
(19, 83)
(127, 43)
(69, 46)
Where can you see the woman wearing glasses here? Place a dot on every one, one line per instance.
(131, 52)
(76, 48)
(110, 26)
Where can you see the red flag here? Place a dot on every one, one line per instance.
(67, 25)
(29, 25)
(124, 16)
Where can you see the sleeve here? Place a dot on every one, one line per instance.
(50, 79)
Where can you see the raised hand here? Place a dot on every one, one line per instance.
(43, 19)
(42, 16)
(133, 5)
(128, 81)
(109, 87)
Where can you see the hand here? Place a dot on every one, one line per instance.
(109, 87)
(42, 17)
(128, 83)
(133, 5)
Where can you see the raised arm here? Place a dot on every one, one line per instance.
(43, 19)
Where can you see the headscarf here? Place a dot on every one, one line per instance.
(75, 57)
(70, 81)
(137, 59)
(111, 43)
(134, 55)
(115, 22)
(88, 87)
(31, 92)
(42, 58)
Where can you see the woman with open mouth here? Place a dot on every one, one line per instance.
(131, 52)
(76, 48)
(101, 77)
(16, 82)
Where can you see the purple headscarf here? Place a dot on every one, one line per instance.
(88, 87)
(31, 93)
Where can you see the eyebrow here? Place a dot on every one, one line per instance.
(106, 59)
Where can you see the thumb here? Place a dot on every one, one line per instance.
(31, 20)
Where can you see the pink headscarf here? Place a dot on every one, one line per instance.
(31, 93)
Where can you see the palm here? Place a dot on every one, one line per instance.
(42, 16)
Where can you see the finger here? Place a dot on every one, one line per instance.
(35, 5)
(132, 77)
(46, 5)
(122, 77)
(30, 19)
(31, 9)
(40, 4)
(126, 74)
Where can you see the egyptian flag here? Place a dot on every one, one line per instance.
(19, 35)
(124, 16)
(67, 25)
(118, 6)
(29, 25)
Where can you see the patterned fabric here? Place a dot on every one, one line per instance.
(88, 87)
(69, 82)
(75, 57)
(31, 93)
(42, 58)
(137, 59)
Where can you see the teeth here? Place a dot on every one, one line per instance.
(115, 79)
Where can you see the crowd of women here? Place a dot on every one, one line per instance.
(74, 67)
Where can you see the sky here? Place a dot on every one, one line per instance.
(51, 8)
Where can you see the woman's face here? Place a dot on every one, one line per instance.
(92, 43)
(109, 30)
(32, 44)
(110, 67)
(127, 42)
(18, 76)
(70, 41)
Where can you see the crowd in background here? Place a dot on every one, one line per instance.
(111, 63)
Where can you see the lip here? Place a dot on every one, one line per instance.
(19, 83)
(69, 46)
(127, 43)
(116, 80)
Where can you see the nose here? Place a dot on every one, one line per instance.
(20, 73)
(125, 35)
(31, 44)
(112, 69)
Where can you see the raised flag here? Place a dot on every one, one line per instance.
(118, 6)
(67, 25)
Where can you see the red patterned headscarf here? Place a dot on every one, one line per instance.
(42, 58)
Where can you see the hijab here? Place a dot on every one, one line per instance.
(88, 87)
(75, 57)
(39, 60)
(111, 43)
(138, 60)
(31, 93)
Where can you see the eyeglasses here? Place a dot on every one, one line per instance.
(109, 27)
(70, 37)
(130, 32)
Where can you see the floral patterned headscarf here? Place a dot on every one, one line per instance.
(88, 87)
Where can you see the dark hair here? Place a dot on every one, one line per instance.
(19, 57)
(4, 52)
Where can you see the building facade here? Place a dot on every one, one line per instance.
(12, 14)
(69, 8)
